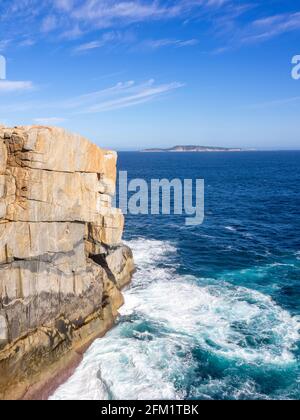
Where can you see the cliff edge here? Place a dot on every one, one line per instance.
(62, 263)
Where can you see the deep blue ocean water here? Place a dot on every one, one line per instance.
(214, 310)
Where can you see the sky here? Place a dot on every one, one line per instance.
(131, 74)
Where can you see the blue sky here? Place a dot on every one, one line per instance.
(147, 73)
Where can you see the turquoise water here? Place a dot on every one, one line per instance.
(214, 310)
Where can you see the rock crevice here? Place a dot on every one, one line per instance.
(62, 262)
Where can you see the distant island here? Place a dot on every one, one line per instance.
(198, 149)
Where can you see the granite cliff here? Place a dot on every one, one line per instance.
(62, 262)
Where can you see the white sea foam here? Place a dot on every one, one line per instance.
(164, 318)
(226, 317)
(277, 264)
(235, 230)
(230, 387)
(230, 228)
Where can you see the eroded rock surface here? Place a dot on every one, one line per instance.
(62, 263)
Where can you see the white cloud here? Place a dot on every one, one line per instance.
(98, 96)
(4, 44)
(74, 32)
(119, 96)
(271, 26)
(88, 46)
(108, 38)
(133, 95)
(65, 5)
(49, 121)
(49, 24)
(72, 19)
(161, 43)
(76, 19)
(104, 13)
(114, 38)
(7, 86)
(275, 103)
(26, 43)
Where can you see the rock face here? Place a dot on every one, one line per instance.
(62, 264)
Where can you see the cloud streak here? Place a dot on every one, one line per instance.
(155, 44)
(71, 19)
(275, 103)
(119, 96)
(272, 26)
(114, 38)
(7, 86)
(49, 121)
(77, 19)
(133, 95)
(110, 38)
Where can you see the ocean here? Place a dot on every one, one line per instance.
(213, 311)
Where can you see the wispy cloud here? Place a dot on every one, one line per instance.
(107, 22)
(110, 38)
(271, 26)
(49, 24)
(131, 94)
(4, 44)
(7, 86)
(119, 96)
(26, 43)
(114, 38)
(275, 103)
(65, 5)
(49, 121)
(105, 13)
(71, 19)
(161, 43)
(88, 46)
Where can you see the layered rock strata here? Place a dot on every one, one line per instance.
(62, 263)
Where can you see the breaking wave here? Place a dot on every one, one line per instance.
(179, 337)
